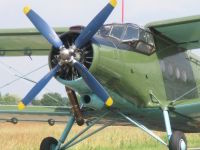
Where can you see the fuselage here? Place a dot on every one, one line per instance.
(140, 82)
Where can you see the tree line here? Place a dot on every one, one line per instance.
(48, 99)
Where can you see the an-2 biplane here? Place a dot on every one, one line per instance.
(124, 74)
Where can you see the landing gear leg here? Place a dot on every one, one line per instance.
(65, 132)
(142, 127)
(51, 143)
(177, 139)
(167, 123)
(75, 106)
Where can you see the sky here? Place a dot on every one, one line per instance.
(65, 13)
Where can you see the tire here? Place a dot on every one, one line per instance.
(51, 122)
(178, 141)
(48, 143)
(14, 120)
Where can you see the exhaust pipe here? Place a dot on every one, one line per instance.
(92, 101)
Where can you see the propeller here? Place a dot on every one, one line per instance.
(94, 85)
(66, 55)
(43, 27)
(37, 88)
(95, 24)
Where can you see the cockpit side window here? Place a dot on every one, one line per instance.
(105, 30)
(147, 37)
(146, 42)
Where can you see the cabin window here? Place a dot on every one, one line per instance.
(162, 64)
(170, 69)
(184, 76)
(178, 74)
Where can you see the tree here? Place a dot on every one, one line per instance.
(9, 99)
(36, 102)
(53, 99)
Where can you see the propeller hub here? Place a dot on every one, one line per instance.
(66, 55)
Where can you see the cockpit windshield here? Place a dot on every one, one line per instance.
(131, 33)
(117, 31)
(140, 39)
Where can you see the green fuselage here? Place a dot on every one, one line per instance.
(141, 84)
(169, 73)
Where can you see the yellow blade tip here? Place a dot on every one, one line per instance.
(113, 2)
(27, 9)
(109, 102)
(21, 106)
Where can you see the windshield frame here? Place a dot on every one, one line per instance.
(143, 43)
(134, 26)
(119, 25)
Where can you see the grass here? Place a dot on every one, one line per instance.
(27, 136)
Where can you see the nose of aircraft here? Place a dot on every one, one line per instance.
(67, 57)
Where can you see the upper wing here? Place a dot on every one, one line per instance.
(185, 32)
(24, 42)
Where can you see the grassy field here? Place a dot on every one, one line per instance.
(27, 136)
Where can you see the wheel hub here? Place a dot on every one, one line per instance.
(182, 144)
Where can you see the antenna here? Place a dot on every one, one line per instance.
(122, 11)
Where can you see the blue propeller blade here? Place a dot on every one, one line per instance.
(95, 24)
(38, 87)
(43, 27)
(93, 84)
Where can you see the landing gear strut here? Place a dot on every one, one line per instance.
(75, 106)
(50, 143)
(177, 139)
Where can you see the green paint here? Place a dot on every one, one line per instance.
(19, 42)
(129, 76)
(183, 31)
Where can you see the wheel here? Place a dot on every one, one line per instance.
(178, 141)
(14, 120)
(51, 122)
(48, 143)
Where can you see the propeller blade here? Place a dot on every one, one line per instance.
(43, 27)
(95, 24)
(93, 84)
(37, 88)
